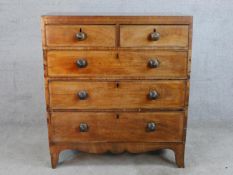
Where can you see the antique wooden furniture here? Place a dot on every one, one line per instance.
(117, 83)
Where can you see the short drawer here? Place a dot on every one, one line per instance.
(80, 35)
(161, 94)
(160, 36)
(150, 64)
(120, 127)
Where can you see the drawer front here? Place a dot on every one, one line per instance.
(170, 36)
(156, 64)
(117, 95)
(68, 35)
(99, 126)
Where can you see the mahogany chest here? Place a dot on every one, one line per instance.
(117, 83)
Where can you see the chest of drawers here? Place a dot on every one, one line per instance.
(117, 83)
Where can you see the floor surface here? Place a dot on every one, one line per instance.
(209, 150)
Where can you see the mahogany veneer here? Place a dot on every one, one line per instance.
(117, 83)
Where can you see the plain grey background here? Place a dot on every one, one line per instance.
(22, 104)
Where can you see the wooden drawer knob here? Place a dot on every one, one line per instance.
(83, 127)
(82, 95)
(153, 63)
(81, 63)
(151, 126)
(152, 95)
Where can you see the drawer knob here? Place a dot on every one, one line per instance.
(83, 127)
(154, 36)
(80, 36)
(82, 95)
(153, 63)
(152, 95)
(151, 126)
(81, 63)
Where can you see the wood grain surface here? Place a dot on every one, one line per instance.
(106, 95)
(117, 127)
(102, 35)
(171, 36)
(117, 64)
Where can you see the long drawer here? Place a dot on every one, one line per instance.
(161, 94)
(110, 126)
(150, 64)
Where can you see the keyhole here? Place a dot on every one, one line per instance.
(154, 30)
(80, 30)
(117, 116)
(117, 56)
(117, 84)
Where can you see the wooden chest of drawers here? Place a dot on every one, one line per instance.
(117, 83)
